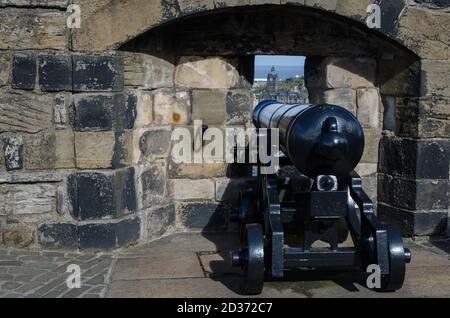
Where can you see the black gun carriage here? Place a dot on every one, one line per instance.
(324, 143)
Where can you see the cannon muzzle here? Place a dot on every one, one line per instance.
(319, 139)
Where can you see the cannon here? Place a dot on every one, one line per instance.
(285, 225)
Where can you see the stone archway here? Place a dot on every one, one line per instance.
(109, 94)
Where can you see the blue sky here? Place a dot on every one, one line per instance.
(279, 60)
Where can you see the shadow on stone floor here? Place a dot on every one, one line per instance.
(217, 266)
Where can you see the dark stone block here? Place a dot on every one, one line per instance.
(103, 112)
(96, 197)
(413, 194)
(432, 161)
(159, 220)
(13, 152)
(55, 72)
(390, 11)
(128, 231)
(125, 191)
(58, 235)
(155, 142)
(412, 223)
(125, 111)
(24, 71)
(97, 73)
(121, 155)
(421, 159)
(153, 182)
(203, 215)
(93, 112)
(72, 192)
(97, 236)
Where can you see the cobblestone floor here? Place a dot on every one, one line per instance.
(43, 274)
(197, 265)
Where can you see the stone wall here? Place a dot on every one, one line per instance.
(351, 83)
(85, 128)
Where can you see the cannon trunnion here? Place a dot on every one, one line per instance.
(281, 219)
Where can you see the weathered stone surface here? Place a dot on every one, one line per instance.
(33, 29)
(189, 6)
(55, 72)
(326, 5)
(5, 68)
(103, 111)
(211, 72)
(366, 169)
(22, 176)
(18, 235)
(119, 30)
(32, 3)
(24, 68)
(171, 107)
(64, 149)
(23, 111)
(58, 235)
(238, 107)
(89, 236)
(93, 112)
(97, 236)
(144, 108)
(94, 149)
(152, 184)
(228, 189)
(420, 159)
(160, 220)
(186, 189)
(414, 194)
(148, 72)
(50, 150)
(370, 186)
(413, 223)
(334, 72)
(434, 78)
(201, 215)
(209, 106)
(345, 97)
(27, 199)
(128, 231)
(97, 73)
(425, 32)
(356, 9)
(40, 151)
(2, 155)
(368, 111)
(197, 170)
(60, 113)
(390, 14)
(96, 195)
(399, 76)
(389, 113)
(155, 142)
(427, 117)
(13, 151)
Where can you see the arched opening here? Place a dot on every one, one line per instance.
(212, 57)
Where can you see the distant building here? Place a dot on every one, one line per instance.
(272, 82)
(296, 95)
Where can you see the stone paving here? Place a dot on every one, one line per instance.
(197, 265)
(43, 274)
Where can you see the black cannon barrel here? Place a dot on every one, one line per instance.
(319, 139)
